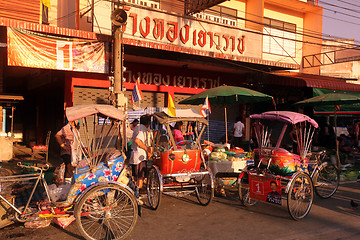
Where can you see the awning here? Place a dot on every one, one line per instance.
(6, 98)
(353, 109)
(294, 79)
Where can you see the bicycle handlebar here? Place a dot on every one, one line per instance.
(46, 167)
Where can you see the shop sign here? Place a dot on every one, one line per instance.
(183, 80)
(174, 77)
(30, 49)
(171, 32)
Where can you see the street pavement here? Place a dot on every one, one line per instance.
(226, 218)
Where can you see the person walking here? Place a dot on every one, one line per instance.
(70, 148)
(239, 130)
(141, 150)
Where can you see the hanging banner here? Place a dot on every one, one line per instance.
(30, 49)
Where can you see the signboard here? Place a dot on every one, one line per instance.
(265, 189)
(178, 77)
(30, 49)
(167, 31)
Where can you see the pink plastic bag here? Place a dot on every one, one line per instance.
(64, 221)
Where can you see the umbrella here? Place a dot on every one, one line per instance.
(227, 95)
(331, 99)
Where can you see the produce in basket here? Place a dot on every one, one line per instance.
(218, 156)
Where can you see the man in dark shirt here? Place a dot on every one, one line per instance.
(273, 196)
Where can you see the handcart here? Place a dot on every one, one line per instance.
(276, 171)
(178, 168)
(100, 197)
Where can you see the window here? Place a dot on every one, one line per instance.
(281, 42)
(219, 14)
(146, 3)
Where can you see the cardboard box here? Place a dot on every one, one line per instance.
(6, 212)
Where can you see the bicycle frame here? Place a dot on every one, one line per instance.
(26, 177)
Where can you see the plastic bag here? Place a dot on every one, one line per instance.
(59, 193)
(64, 221)
(59, 173)
(45, 222)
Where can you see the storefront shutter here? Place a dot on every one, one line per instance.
(23, 10)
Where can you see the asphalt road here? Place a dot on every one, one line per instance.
(226, 218)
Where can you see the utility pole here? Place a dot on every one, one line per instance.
(118, 18)
(118, 69)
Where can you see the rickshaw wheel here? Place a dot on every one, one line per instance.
(244, 194)
(106, 212)
(326, 180)
(205, 188)
(300, 196)
(153, 188)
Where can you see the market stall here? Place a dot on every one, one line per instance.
(226, 164)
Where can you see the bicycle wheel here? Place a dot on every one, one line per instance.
(205, 188)
(153, 188)
(300, 196)
(26, 215)
(106, 212)
(244, 194)
(326, 180)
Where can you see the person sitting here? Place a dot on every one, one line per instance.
(345, 143)
(179, 138)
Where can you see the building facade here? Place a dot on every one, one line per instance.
(177, 47)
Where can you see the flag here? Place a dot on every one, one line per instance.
(171, 106)
(136, 93)
(46, 3)
(206, 110)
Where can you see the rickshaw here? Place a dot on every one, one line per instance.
(277, 171)
(100, 197)
(178, 168)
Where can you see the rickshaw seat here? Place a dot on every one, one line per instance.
(164, 141)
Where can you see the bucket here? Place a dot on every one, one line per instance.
(6, 149)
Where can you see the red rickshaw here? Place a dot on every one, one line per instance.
(276, 170)
(178, 168)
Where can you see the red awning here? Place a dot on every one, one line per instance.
(308, 80)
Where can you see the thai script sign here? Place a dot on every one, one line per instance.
(176, 77)
(30, 49)
(166, 31)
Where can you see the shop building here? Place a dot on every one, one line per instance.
(238, 42)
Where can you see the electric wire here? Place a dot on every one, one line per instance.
(304, 32)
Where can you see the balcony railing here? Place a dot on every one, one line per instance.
(215, 18)
(146, 3)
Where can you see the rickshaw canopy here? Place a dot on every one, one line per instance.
(81, 111)
(285, 116)
(181, 115)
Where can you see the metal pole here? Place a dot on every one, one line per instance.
(336, 140)
(118, 68)
(12, 120)
(226, 128)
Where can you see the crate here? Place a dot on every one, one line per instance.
(6, 212)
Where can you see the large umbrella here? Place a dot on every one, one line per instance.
(227, 95)
(334, 99)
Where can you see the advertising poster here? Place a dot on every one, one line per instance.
(265, 189)
(30, 49)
